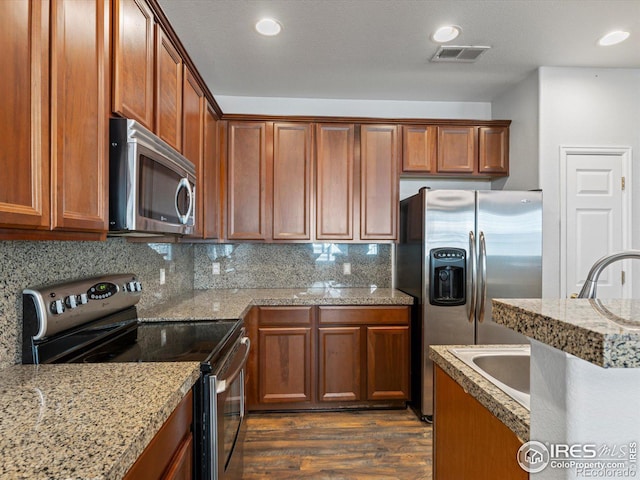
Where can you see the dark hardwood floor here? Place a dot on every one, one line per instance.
(380, 444)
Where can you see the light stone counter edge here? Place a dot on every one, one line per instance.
(513, 415)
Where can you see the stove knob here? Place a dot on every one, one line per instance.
(71, 301)
(84, 299)
(138, 286)
(130, 286)
(57, 307)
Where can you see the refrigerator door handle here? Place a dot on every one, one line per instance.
(483, 276)
(473, 261)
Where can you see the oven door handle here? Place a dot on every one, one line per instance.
(221, 385)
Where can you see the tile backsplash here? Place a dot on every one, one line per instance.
(291, 265)
(24, 264)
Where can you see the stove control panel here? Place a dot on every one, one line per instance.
(51, 309)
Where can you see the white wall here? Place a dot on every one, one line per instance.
(520, 105)
(584, 107)
(353, 108)
(410, 186)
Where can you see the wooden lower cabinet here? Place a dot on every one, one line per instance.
(284, 364)
(169, 455)
(388, 363)
(469, 441)
(340, 364)
(328, 357)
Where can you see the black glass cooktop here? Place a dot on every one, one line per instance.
(167, 342)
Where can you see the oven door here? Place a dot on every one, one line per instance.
(227, 403)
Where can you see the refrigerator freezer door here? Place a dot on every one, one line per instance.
(511, 224)
(449, 216)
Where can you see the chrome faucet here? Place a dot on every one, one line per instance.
(590, 284)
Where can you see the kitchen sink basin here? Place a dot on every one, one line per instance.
(506, 367)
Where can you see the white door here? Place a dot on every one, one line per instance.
(595, 220)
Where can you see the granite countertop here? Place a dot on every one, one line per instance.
(603, 332)
(232, 304)
(501, 405)
(88, 422)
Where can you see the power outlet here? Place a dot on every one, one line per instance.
(163, 278)
(346, 269)
(215, 268)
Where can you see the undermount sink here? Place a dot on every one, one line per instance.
(506, 367)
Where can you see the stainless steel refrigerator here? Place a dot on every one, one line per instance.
(459, 249)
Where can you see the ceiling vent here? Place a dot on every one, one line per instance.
(464, 54)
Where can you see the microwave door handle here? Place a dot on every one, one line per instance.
(184, 183)
(221, 385)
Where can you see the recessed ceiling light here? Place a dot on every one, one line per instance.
(268, 27)
(613, 38)
(446, 34)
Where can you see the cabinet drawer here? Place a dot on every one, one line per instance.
(391, 315)
(285, 315)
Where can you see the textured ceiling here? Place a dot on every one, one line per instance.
(380, 49)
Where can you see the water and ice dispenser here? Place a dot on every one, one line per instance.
(447, 276)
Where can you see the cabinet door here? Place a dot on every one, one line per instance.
(339, 364)
(211, 179)
(24, 114)
(493, 146)
(388, 363)
(284, 364)
(133, 46)
(379, 182)
(291, 181)
(419, 148)
(335, 169)
(181, 466)
(79, 114)
(247, 169)
(457, 149)
(464, 429)
(168, 101)
(193, 104)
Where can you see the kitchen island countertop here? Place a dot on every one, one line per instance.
(603, 332)
(85, 421)
(501, 405)
(235, 303)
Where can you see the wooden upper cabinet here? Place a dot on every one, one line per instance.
(493, 150)
(133, 67)
(379, 182)
(419, 148)
(334, 183)
(247, 180)
(457, 150)
(291, 181)
(193, 107)
(80, 114)
(211, 175)
(168, 101)
(24, 114)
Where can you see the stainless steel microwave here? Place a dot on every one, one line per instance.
(151, 185)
